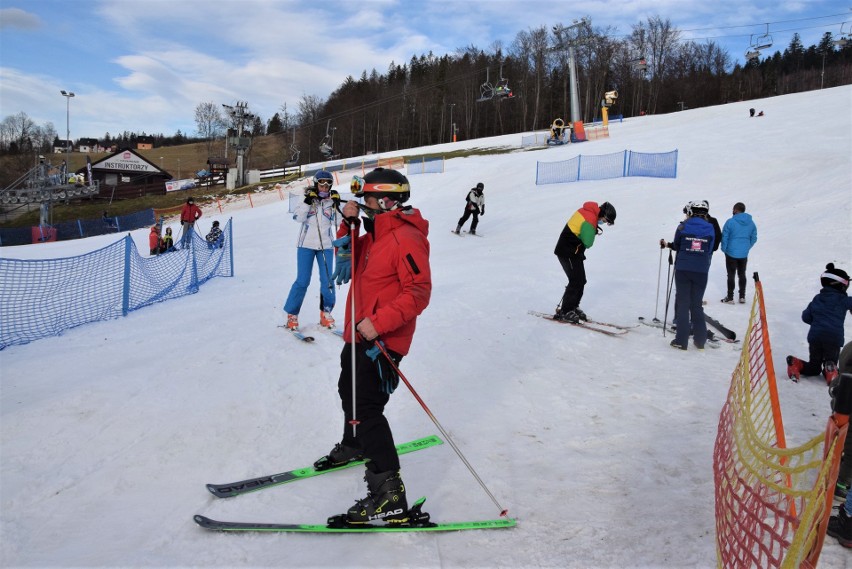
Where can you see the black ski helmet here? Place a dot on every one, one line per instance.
(480, 186)
(215, 224)
(835, 278)
(607, 213)
(384, 182)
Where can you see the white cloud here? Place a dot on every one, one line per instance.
(17, 18)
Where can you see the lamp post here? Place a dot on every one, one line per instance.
(67, 95)
(452, 124)
(178, 168)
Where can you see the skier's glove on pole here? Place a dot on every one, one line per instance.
(663, 244)
(342, 260)
(335, 197)
(310, 196)
(388, 377)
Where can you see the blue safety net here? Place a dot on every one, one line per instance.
(40, 298)
(606, 166)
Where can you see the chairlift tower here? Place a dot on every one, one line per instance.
(566, 42)
(240, 117)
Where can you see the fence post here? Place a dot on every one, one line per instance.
(231, 243)
(125, 294)
(193, 282)
(626, 163)
(579, 169)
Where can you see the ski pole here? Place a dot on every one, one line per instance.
(352, 290)
(659, 273)
(668, 292)
(503, 511)
(321, 212)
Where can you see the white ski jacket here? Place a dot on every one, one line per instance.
(309, 237)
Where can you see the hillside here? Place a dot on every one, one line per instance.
(602, 448)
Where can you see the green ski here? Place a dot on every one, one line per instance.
(254, 484)
(419, 521)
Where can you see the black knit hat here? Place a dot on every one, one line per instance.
(836, 278)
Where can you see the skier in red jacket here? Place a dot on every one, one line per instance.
(189, 214)
(389, 291)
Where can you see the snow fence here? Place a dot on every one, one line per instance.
(606, 166)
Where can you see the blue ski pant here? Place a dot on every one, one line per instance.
(689, 312)
(304, 267)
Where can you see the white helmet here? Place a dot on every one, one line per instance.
(698, 207)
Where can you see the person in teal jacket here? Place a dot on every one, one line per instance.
(738, 237)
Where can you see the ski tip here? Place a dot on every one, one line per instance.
(203, 521)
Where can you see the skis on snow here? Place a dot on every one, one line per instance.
(727, 333)
(712, 339)
(593, 325)
(230, 489)
(417, 521)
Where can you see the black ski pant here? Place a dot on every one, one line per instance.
(373, 432)
(818, 353)
(467, 213)
(736, 267)
(576, 273)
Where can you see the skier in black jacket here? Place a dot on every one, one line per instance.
(475, 206)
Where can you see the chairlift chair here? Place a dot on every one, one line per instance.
(486, 90)
(294, 152)
(325, 146)
(503, 90)
(761, 42)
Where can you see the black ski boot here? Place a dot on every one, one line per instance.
(570, 316)
(385, 500)
(339, 455)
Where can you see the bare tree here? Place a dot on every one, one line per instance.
(210, 123)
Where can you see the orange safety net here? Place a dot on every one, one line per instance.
(772, 503)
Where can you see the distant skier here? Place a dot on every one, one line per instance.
(693, 242)
(189, 214)
(154, 240)
(825, 314)
(738, 237)
(577, 236)
(474, 205)
(215, 237)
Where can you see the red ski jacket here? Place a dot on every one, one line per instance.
(391, 278)
(190, 213)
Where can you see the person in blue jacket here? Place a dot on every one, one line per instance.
(738, 237)
(693, 242)
(825, 314)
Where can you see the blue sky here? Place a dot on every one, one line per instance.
(144, 65)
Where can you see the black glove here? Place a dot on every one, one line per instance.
(387, 374)
(335, 197)
(482, 211)
(311, 196)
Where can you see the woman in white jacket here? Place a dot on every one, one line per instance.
(318, 216)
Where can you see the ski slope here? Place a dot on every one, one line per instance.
(600, 447)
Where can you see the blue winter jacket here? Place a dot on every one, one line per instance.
(826, 314)
(693, 242)
(738, 236)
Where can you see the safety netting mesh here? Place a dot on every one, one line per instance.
(771, 502)
(40, 298)
(606, 166)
